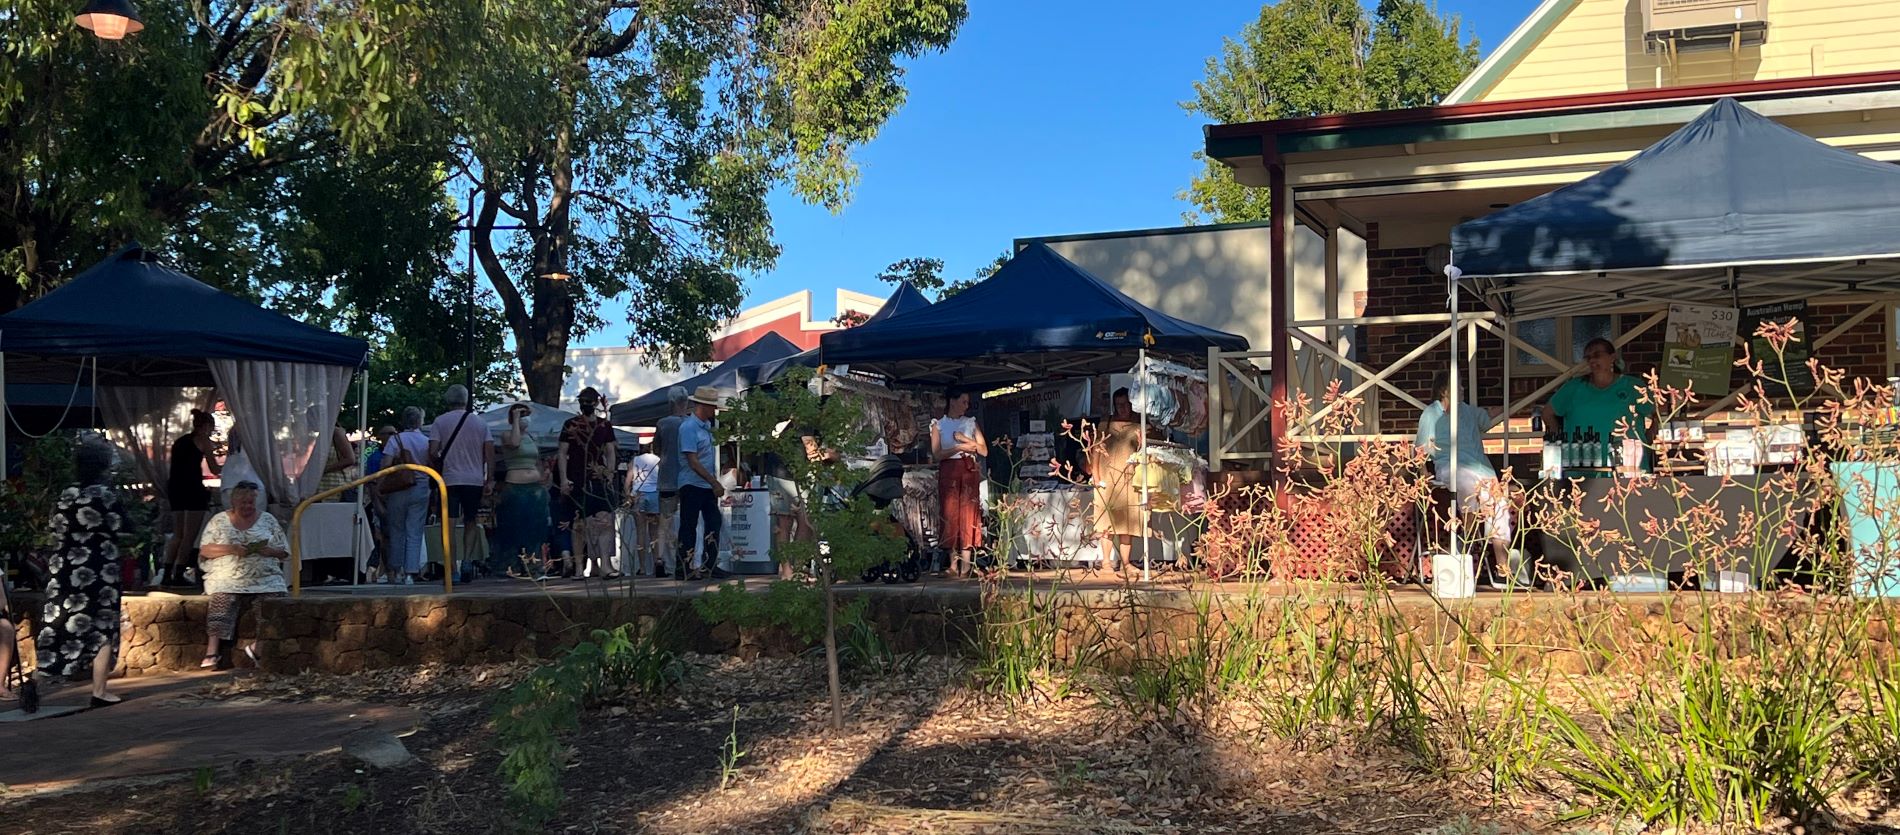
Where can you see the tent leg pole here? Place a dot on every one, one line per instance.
(1147, 575)
(1451, 478)
(362, 516)
(5, 417)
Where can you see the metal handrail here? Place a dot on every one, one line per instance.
(442, 495)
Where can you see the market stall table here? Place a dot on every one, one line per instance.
(1777, 504)
(335, 530)
(1055, 524)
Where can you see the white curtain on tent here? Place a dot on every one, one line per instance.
(145, 420)
(296, 405)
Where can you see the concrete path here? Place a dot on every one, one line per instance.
(164, 726)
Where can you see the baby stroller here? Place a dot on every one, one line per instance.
(884, 484)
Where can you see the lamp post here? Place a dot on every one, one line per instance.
(110, 20)
(554, 268)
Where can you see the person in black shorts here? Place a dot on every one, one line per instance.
(462, 448)
(585, 476)
(185, 490)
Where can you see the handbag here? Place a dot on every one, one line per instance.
(400, 480)
(23, 684)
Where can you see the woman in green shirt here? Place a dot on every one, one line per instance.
(1602, 400)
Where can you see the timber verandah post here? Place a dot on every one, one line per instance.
(1280, 308)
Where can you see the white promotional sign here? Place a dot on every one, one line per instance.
(748, 530)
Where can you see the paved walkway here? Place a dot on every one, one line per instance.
(163, 726)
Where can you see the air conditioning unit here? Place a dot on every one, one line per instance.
(1686, 25)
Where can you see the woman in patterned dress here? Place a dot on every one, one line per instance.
(81, 614)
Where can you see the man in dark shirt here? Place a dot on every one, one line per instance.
(586, 457)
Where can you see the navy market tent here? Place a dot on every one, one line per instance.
(150, 325)
(1040, 317)
(731, 378)
(142, 335)
(1731, 206)
(904, 300)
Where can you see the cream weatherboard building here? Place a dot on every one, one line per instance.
(1579, 86)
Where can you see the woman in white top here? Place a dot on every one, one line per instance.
(955, 444)
(244, 552)
(1476, 484)
(643, 492)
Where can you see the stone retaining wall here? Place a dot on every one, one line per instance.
(341, 635)
(1570, 634)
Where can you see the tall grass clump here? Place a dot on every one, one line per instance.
(1696, 707)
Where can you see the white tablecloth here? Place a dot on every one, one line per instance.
(334, 530)
(1055, 525)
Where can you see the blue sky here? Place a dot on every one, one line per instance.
(1045, 117)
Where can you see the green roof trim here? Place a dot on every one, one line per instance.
(1492, 129)
(1519, 44)
(1235, 146)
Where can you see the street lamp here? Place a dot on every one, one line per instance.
(553, 268)
(111, 20)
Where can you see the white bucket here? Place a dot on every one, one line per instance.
(1453, 577)
(1733, 582)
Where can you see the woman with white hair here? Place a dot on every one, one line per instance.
(406, 509)
(243, 551)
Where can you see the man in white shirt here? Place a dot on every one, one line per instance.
(463, 450)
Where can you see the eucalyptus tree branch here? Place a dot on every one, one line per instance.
(513, 306)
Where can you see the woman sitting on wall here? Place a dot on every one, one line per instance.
(243, 551)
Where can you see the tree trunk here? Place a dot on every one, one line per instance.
(831, 643)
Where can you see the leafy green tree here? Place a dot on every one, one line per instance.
(1311, 57)
(165, 136)
(805, 431)
(638, 141)
(279, 152)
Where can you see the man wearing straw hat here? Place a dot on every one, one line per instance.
(699, 489)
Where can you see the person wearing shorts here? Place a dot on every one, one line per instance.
(643, 492)
(464, 450)
(586, 458)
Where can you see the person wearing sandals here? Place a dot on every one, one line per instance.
(955, 444)
(521, 510)
(185, 490)
(81, 614)
(243, 551)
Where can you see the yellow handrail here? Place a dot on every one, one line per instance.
(442, 495)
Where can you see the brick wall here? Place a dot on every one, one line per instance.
(1399, 282)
